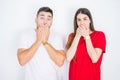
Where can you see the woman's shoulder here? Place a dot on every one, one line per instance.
(71, 34)
(99, 32)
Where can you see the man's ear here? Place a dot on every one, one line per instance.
(36, 21)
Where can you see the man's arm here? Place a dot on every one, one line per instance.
(58, 56)
(24, 55)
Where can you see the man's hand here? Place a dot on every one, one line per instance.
(45, 34)
(42, 34)
(39, 34)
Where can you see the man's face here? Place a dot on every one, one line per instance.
(44, 19)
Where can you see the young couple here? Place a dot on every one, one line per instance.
(41, 51)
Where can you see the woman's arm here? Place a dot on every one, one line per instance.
(72, 50)
(94, 53)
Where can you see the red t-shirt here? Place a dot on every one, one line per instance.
(83, 68)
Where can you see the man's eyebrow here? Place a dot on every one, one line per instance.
(49, 16)
(42, 15)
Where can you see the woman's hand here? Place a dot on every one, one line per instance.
(83, 31)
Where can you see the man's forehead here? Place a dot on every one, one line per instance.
(42, 13)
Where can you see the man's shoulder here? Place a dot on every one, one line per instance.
(56, 34)
(28, 35)
(28, 32)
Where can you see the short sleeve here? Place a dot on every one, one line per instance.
(58, 43)
(24, 42)
(69, 39)
(101, 41)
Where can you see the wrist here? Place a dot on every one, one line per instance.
(38, 41)
(45, 43)
(87, 37)
(78, 35)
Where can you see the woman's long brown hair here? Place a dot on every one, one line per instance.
(82, 11)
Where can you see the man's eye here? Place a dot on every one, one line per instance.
(41, 17)
(48, 19)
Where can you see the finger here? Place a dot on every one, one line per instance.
(87, 28)
(80, 28)
(83, 27)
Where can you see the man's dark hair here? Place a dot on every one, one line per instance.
(45, 9)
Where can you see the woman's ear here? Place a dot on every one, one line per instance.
(36, 20)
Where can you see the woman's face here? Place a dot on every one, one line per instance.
(83, 21)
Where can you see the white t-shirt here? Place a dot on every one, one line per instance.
(41, 67)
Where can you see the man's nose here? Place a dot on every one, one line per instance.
(45, 22)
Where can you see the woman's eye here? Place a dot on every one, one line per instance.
(85, 19)
(79, 19)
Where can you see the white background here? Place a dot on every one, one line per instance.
(17, 16)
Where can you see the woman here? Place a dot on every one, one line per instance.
(85, 48)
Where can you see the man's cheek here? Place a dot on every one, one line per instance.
(40, 23)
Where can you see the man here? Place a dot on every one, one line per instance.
(41, 51)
